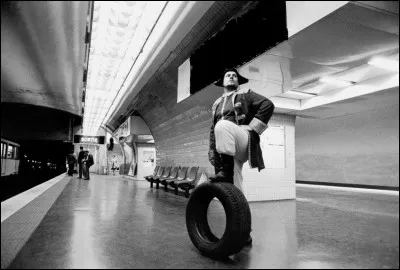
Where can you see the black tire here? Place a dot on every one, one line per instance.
(238, 219)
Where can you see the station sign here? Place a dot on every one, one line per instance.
(89, 139)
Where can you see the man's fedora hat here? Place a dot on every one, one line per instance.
(241, 79)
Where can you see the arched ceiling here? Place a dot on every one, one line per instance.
(43, 52)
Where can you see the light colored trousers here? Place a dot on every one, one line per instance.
(233, 140)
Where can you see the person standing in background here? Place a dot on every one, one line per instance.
(114, 164)
(80, 158)
(71, 160)
(88, 161)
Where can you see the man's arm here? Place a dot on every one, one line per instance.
(212, 152)
(264, 109)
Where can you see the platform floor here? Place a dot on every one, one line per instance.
(116, 222)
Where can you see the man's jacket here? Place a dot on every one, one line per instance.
(250, 109)
(81, 156)
(89, 160)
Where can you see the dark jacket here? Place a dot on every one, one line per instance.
(81, 156)
(88, 160)
(71, 159)
(251, 109)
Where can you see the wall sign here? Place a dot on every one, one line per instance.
(89, 139)
(183, 81)
(124, 130)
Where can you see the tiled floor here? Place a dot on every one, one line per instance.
(115, 222)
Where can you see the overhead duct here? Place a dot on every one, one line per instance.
(258, 27)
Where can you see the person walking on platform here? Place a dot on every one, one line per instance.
(80, 158)
(114, 163)
(87, 163)
(239, 117)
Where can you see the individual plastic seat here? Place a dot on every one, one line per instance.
(148, 177)
(172, 175)
(181, 176)
(190, 182)
(159, 173)
(190, 176)
(165, 174)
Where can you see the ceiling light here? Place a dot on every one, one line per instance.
(300, 94)
(335, 81)
(384, 63)
(119, 31)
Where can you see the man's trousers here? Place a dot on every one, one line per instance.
(233, 140)
(85, 169)
(80, 169)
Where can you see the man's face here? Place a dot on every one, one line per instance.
(231, 80)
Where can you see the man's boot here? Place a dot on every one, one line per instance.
(217, 166)
(223, 169)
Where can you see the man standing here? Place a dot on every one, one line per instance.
(240, 116)
(87, 163)
(80, 159)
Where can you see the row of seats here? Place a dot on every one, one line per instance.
(176, 177)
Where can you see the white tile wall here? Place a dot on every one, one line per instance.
(274, 182)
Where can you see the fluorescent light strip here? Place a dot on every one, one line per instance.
(335, 81)
(118, 32)
(143, 46)
(300, 93)
(384, 63)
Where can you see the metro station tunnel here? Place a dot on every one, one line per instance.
(200, 134)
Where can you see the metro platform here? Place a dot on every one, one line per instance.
(119, 222)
